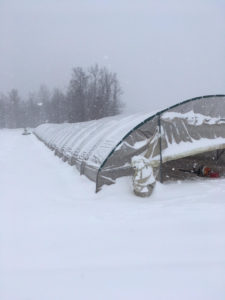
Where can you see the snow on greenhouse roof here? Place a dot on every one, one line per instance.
(92, 140)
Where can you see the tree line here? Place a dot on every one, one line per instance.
(91, 94)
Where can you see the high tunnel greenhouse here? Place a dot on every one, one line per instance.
(192, 130)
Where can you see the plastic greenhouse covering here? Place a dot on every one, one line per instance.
(102, 149)
(88, 144)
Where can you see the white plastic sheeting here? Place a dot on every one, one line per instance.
(187, 134)
(89, 141)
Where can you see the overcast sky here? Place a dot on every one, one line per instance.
(163, 51)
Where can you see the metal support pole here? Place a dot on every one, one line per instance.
(217, 155)
(160, 150)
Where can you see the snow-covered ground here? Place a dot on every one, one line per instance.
(61, 241)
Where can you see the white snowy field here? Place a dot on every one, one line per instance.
(61, 241)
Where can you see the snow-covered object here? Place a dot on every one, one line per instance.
(103, 149)
(143, 178)
(25, 132)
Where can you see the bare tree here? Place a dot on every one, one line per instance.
(92, 94)
(3, 111)
(58, 107)
(14, 109)
(76, 95)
